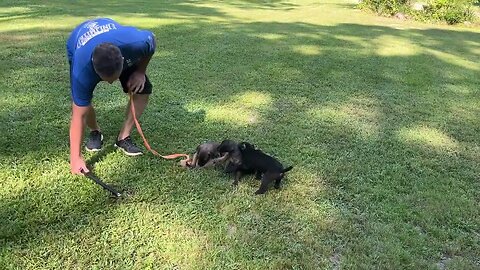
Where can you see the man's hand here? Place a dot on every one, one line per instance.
(136, 82)
(77, 165)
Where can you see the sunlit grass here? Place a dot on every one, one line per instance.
(243, 109)
(391, 46)
(307, 49)
(429, 137)
(360, 116)
(455, 60)
(6, 11)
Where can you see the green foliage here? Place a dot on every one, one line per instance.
(385, 7)
(450, 11)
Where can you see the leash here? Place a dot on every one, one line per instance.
(99, 182)
(145, 142)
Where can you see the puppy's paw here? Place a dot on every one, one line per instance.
(186, 163)
(259, 192)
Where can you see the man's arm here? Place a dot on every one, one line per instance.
(142, 65)
(151, 45)
(77, 126)
(137, 79)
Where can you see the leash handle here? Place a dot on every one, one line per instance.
(145, 142)
(100, 183)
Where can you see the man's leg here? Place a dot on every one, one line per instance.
(124, 141)
(91, 119)
(95, 139)
(140, 102)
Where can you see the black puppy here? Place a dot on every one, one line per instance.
(265, 167)
(230, 149)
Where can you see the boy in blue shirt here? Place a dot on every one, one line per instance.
(103, 50)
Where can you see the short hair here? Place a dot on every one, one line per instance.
(107, 59)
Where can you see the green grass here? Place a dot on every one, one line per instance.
(381, 119)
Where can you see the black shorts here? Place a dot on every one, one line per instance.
(147, 88)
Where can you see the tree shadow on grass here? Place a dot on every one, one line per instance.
(263, 4)
(88, 9)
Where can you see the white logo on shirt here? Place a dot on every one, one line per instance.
(94, 30)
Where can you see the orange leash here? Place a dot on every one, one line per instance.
(145, 142)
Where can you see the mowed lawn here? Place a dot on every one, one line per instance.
(379, 117)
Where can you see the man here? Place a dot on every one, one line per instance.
(103, 50)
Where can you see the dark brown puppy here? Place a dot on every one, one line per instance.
(265, 167)
(207, 155)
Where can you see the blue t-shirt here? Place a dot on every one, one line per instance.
(133, 43)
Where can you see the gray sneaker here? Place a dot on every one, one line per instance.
(128, 147)
(95, 141)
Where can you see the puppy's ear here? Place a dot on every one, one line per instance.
(203, 158)
(226, 146)
(242, 146)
